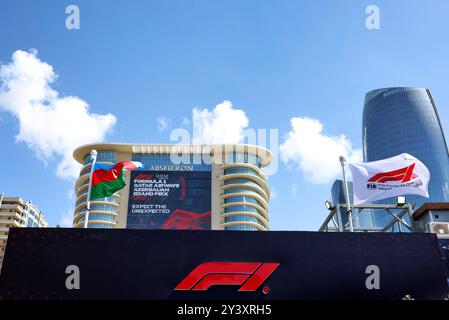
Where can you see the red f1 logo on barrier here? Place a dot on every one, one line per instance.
(248, 275)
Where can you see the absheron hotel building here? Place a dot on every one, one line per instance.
(218, 187)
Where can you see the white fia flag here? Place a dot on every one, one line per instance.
(387, 178)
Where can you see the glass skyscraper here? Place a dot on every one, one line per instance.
(397, 120)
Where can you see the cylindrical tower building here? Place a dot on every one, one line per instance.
(245, 193)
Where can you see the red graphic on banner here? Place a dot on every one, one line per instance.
(186, 220)
(144, 176)
(404, 175)
(248, 275)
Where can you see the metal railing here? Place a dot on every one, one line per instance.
(339, 213)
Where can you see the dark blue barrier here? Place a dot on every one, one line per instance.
(155, 264)
(444, 248)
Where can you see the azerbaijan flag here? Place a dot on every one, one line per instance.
(107, 179)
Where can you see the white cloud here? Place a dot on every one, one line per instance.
(294, 189)
(66, 219)
(273, 192)
(71, 195)
(185, 122)
(162, 123)
(50, 125)
(314, 153)
(223, 124)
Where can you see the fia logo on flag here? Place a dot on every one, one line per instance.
(371, 186)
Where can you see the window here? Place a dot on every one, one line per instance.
(102, 156)
(239, 157)
(243, 170)
(242, 227)
(246, 199)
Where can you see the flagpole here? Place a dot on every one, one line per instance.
(93, 158)
(345, 185)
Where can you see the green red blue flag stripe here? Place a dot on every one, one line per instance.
(107, 178)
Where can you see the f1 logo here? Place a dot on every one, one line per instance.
(248, 275)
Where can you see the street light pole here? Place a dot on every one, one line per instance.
(345, 186)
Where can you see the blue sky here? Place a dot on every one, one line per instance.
(274, 60)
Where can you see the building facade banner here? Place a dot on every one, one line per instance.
(387, 178)
(169, 200)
